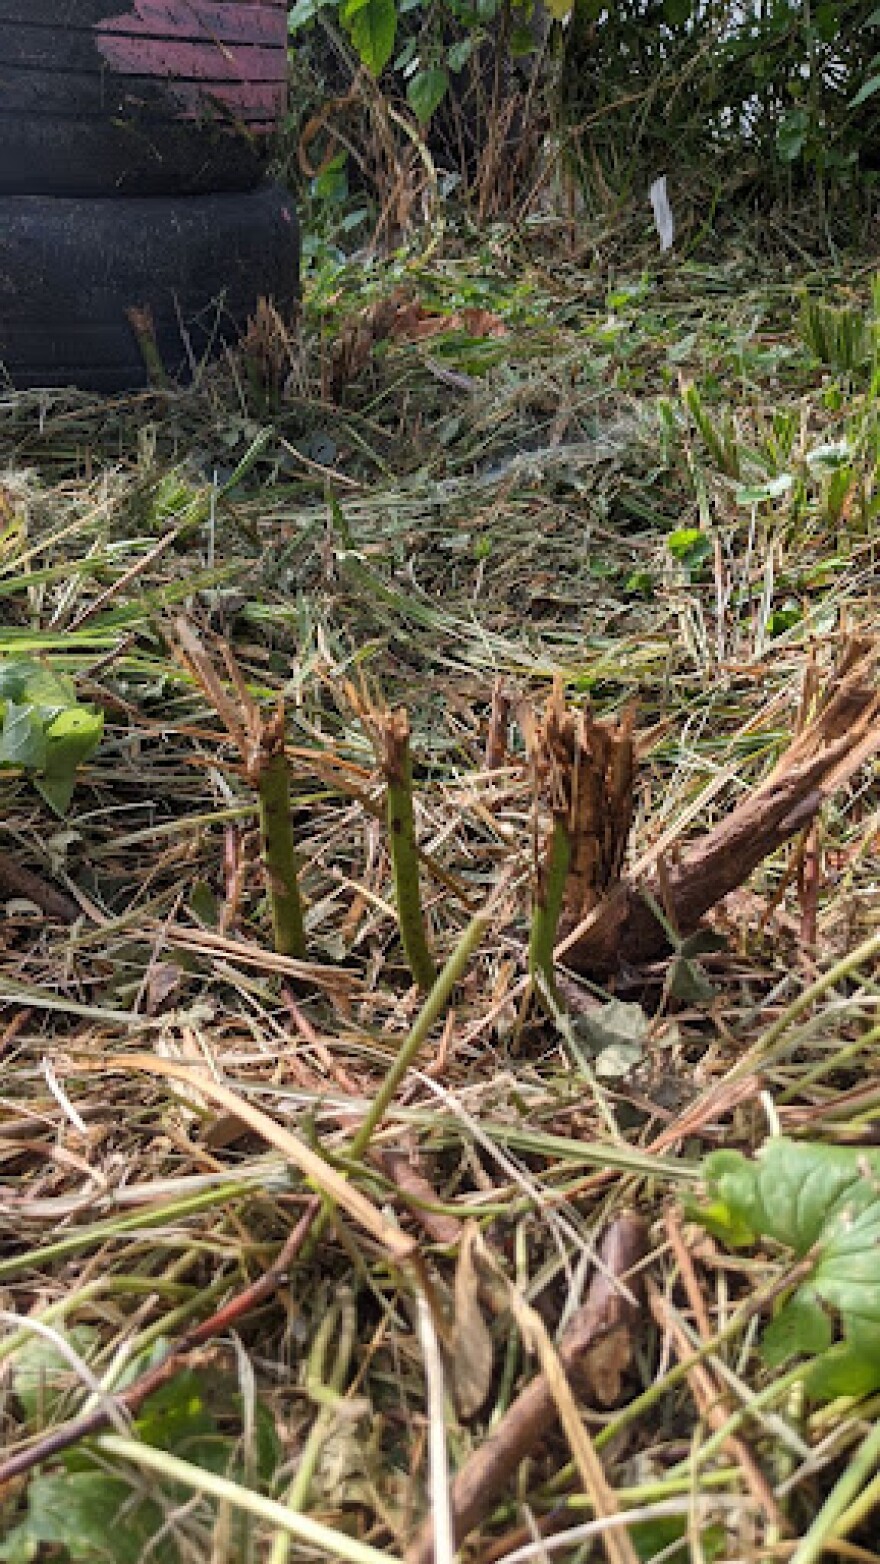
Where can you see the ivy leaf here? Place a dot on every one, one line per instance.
(822, 1203)
(371, 26)
(426, 91)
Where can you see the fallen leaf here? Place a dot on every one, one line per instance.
(471, 1353)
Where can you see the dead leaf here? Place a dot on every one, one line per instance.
(482, 323)
(471, 1353)
(603, 1366)
(163, 980)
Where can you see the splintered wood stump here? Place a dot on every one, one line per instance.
(589, 767)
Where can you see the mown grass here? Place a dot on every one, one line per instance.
(649, 487)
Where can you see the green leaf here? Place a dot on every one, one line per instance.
(660, 1536)
(303, 12)
(22, 740)
(689, 545)
(703, 942)
(176, 1413)
(832, 456)
(42, 1378)
(91, 1515)
(371, 26)
(426, 91)
(799, 1330)
(688, 982)
(21, 678)
(459, 53)
(791, 135)
(783, 619)
(19, 1546)
(204, 903)
(757, 493)
(522, 42)
(827, 22)
(70, 739)
(43, 728)
(822, 1203)
(866, 91)
(612, 1024)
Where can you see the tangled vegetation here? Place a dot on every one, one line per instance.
(331, 1177)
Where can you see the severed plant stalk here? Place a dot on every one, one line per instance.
(548, 906)
(270, 774)
(397, 766)
(586, 767)
(144, 328)
(260, 743)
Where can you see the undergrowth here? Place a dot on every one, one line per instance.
(646, 487)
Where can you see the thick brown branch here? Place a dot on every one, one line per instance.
(820, 760)
(17, 881)
(593, 1351)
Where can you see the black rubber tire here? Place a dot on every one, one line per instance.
(71, 270)
(139, 97)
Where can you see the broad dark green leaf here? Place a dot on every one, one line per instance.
(426, 91)
(95, 1517)
(371, 26)
(821, 1203)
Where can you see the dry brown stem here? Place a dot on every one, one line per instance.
(17, 881)
(593, 1353)
(844, 734)
(714, 1406)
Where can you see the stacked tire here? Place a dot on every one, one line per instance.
(134, 138)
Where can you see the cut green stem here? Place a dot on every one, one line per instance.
(280, 858)
(397, 766)
(548, 908)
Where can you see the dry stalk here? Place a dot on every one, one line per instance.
(593, 1355)
(844, 735)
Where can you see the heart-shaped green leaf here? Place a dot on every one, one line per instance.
(823, 1204)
